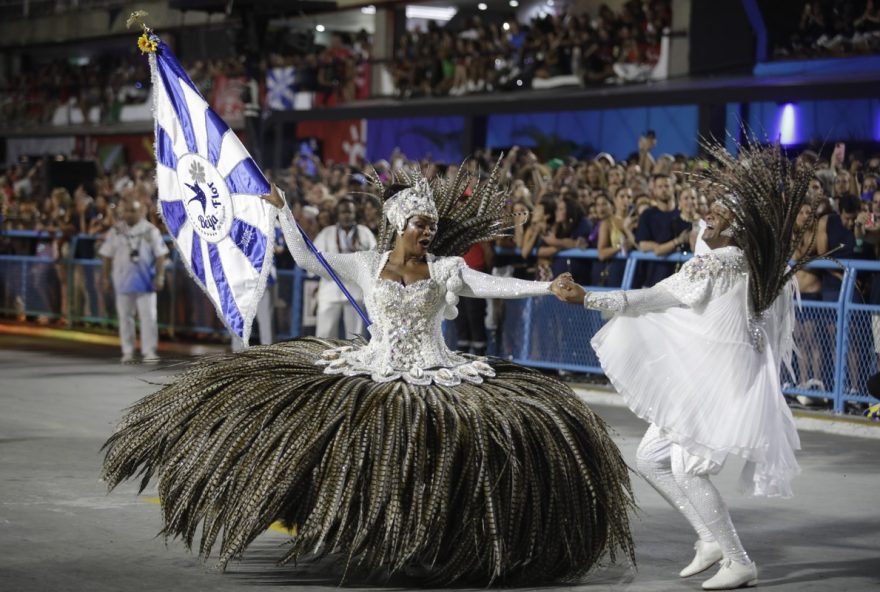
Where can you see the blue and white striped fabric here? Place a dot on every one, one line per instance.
(281, 88)
(209, 188)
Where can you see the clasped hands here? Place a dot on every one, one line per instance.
(566, 289)
(607, 302)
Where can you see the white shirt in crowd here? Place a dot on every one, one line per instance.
(336, 240)
(134, 250)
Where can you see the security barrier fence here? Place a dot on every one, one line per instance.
(838, 342)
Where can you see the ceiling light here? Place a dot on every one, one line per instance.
(482, 6)
(319, 28)
(431, 13)
(368, 9)
(506, 26)
(514, 3)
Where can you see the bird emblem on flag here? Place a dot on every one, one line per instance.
(209, 193)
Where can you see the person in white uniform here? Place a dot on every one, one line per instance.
(699, 356)
(135, 252)
(346, 236)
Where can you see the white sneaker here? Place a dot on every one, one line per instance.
(733, 575)
(127, 359)
(707, 555)
(151, 358)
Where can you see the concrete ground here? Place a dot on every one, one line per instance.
(59, 530)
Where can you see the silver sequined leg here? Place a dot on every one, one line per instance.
(710, 506)
(653, 462)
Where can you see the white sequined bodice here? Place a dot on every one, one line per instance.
(406, 341)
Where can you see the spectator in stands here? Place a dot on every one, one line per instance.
(470, 324)
(571, 230)
(843, 232)
(661, 229)
(371, 212)
(135, 252)
(538, 227)
(615, 237)
(810, 286)
(346, 236)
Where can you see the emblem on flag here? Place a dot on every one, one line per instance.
(209, 194)
(281, 88)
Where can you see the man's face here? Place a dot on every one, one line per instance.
(870, 184)
(875, 204)
(132, 213)
(841, 183)
(663, 189)
(345, 216)
(815, 189)
(848, 219)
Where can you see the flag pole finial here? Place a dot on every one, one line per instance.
(148, 42)
(137, 17)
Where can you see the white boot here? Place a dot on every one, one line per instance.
(707, 555)
(733, 575)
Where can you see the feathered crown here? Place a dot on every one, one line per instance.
(462, 220)
(417, 200)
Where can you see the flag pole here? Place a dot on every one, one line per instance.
(332, 274)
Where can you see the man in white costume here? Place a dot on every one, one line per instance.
(698, 356)
(135, 252)
(346, 236)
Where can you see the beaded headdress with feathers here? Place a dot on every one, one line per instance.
(763, 191)
(462, 220)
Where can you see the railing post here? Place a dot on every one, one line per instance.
(297, 302)
(525, 346)
(70, 291)
(841, 341)
(629, 273)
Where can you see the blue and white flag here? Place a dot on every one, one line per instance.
(281, 88)
(209, 188)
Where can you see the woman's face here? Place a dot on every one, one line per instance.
(370, 211)
(593, 174)
(417, 235)
(603, 208)
(687, 201)
(561, 212)
(805, 214)
(622, 200)
(615, 176)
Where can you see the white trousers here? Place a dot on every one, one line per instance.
(682, 479)
(329, 315)
(144, 303)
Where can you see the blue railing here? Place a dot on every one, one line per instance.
(838, 341)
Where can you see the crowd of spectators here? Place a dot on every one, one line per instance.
(95, 91)
(834, 28)
(640, 203)
(482, 56)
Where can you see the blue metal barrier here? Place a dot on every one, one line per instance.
(839, 341)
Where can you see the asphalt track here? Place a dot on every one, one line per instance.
(61, 531)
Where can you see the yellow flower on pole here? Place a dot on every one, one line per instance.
(147, 44)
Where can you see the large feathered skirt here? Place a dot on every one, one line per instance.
(511, 481)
